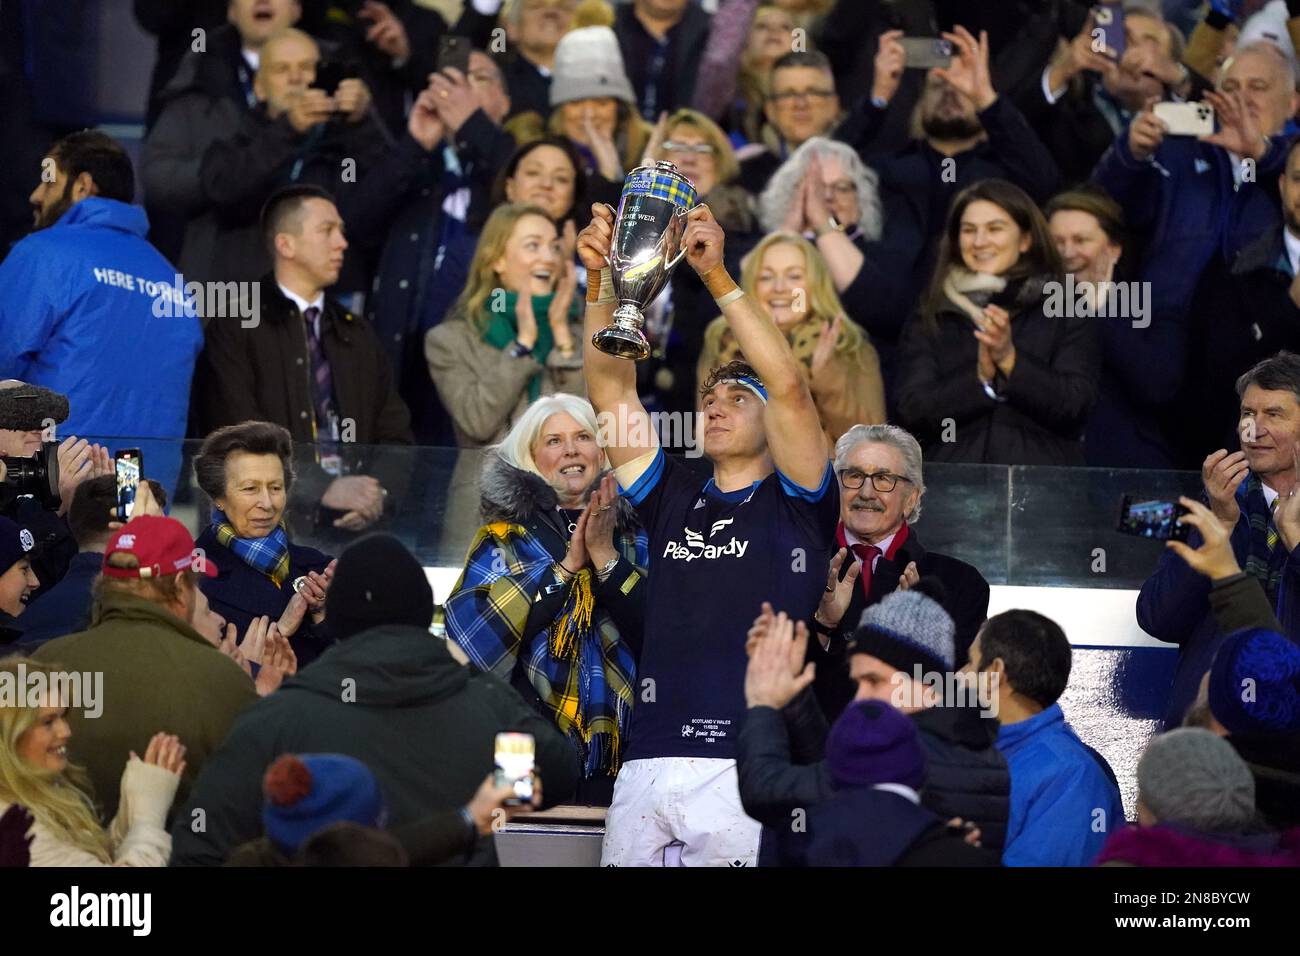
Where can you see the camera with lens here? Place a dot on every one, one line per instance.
(37, 476)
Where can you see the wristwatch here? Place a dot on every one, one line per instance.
(832, 225)
(517, 349)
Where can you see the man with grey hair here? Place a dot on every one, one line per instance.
(878, 468)
(1246, 490)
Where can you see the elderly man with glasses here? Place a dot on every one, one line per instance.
(878, 468)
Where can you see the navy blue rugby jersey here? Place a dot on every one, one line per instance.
(714, 558)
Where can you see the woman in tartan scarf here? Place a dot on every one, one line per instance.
(552, 595)
(246, 470)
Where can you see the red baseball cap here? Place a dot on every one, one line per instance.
(163, 546)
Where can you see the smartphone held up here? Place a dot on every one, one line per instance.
(1154, 519)
(925, 53)
(128, 464)
(515, 759)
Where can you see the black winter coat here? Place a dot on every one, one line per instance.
(862, 826)
(779, 760)
(394, 698)
(1043, 405)
(965, 598)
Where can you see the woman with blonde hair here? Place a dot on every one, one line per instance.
(35, 774)
(515, 332)
(552, 595)
(789, 280)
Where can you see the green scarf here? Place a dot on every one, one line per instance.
(501, 328)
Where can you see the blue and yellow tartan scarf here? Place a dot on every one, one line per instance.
(1263, 562)
(581, 669)
(270, 555)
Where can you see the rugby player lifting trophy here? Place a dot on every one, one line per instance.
(647, 245)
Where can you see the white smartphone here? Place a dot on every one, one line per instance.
(515, 756)
(1186, 119)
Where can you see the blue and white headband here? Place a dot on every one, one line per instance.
(746, 381)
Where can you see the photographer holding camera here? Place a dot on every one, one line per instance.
(37, 478)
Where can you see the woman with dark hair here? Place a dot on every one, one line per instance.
(997, 367)
(546, 173)
(246, 471)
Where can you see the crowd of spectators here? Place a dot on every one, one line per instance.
(380, 224)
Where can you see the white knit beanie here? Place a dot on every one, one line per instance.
(589, 65)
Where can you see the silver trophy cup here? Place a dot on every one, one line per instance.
(647, 245)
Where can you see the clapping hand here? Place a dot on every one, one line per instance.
(777, 673)
(598, 530)
(278, 662)
(839, 593)
(165, 751)
(1223, 474)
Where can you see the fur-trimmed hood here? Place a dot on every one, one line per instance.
(508, 493)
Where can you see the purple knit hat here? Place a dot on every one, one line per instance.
(874, 743)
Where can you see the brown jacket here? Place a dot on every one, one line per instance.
(159, 674)
(484, 389)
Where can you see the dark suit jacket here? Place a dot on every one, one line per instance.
(967, 601)
(264, 373)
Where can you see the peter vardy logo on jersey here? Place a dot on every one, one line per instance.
(694, 546)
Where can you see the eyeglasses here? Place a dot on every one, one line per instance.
(853, 479)
(700, 149)
(789, 96)
(844, 187)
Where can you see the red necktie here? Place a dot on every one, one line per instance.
(867, 555)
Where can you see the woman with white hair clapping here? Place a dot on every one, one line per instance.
(552, 595)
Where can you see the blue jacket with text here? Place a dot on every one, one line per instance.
(77, 316)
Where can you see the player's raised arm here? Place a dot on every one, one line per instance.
(794, 432)
(611, 382)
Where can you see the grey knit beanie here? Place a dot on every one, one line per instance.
(904, 629)
(589, 65)
(1193, 777)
